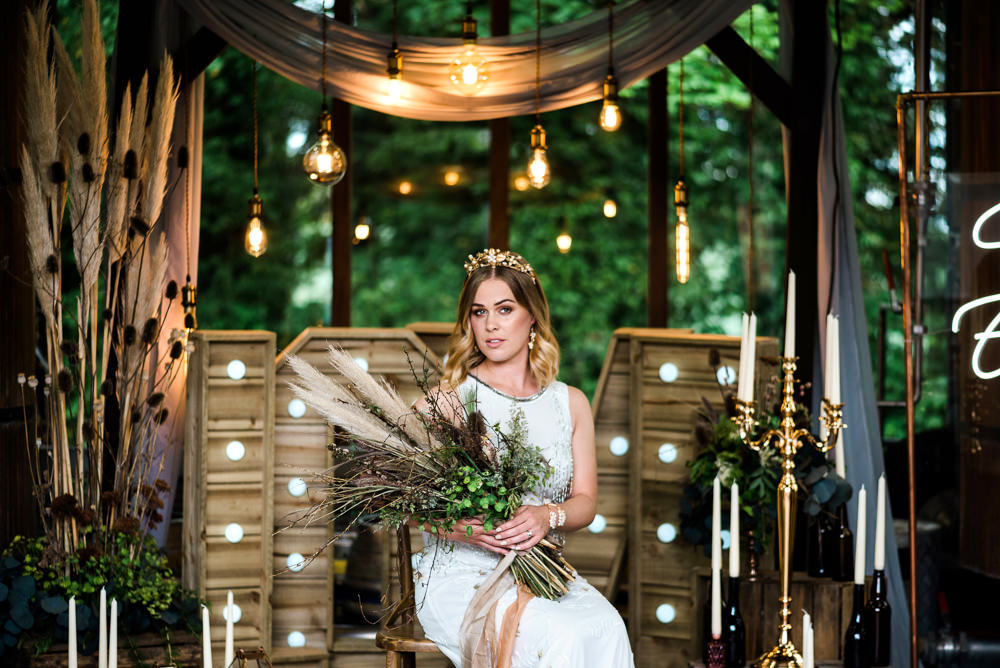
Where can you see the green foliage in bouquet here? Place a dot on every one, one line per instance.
(432, 468)
(723, 453)
(35, 590)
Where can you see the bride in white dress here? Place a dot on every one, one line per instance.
(504, 356)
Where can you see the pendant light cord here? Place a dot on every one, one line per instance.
(323, 79)
(394, 18)
(680, 121)
(187, 172)
(538, 62)
(255, 127)
(611, 36)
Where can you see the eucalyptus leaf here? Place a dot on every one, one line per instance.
(823, 490)
(3, 592)
(54, 604)
(22, 617)
(24, 584)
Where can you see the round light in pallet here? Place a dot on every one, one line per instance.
(237, 613)
(296, 562)
(296, 408)
(235, 450)
(361, 362)
(724, 536)
(236, 369)
(665, 613)
(234, 533)
(726, 375)
(667, 453)
(668, 372)
(297, 487)
(666, 532)
(618, 446)
(598, 525)
(296, 639)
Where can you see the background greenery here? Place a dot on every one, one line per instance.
(411, 268)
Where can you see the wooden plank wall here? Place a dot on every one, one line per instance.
(228, 485)
(302, 601)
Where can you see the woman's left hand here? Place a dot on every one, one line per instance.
(522, 531)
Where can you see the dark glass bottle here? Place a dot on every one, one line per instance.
(706, 624)
(817, 547)
(855, 640)
(734, 632)
(878, 622)
(844, 568)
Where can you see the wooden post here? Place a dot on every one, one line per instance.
(340, 303)
(498, 235)
(808, 83)
(17, 303)
(658, 188)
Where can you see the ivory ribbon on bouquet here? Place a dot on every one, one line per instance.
(480, 644)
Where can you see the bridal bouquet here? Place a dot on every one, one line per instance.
(435, 468)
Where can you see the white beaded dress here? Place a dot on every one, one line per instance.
(581, 629)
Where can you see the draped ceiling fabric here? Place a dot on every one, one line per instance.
(649, 34)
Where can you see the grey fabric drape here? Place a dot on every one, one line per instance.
(837, 262)
(649, 34)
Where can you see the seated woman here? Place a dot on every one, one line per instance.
(504, 356)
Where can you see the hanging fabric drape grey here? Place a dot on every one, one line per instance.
(649, 34)
(839, 290)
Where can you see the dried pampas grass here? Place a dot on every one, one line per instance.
(157, 143)
(40, 98)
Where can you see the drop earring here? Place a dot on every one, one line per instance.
(531, 339)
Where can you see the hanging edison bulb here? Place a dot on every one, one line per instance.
(394, 70)
(611, 115)
(564, 240)
(682, 236)
(538, 163)
(325, 162)
(255, 240)
(469, 71)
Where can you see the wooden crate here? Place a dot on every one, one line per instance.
(227, 484)
(650, 390)
(827, 601)
(303, 600)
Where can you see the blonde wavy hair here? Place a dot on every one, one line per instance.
(464, 355)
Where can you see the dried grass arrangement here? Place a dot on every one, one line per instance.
(103, 389)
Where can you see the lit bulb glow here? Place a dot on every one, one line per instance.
(362, 231)
(255, 240)
(451, 177)
(618, 446)
(563, 242)
(236, 369)
(325, 162)
(469, 70)
(598, 525)
(405, 187)
(296, 408)
(538, 169)
(394, 90)
(296, 639)
(234, 532)
(521, 183)
(611, 117)
(682, 243)
(610, 208)
(297, 487)
(295, 562)
(235, 451)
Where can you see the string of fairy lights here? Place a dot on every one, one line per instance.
(325, 163)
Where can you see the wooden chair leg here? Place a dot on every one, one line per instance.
(393, 659)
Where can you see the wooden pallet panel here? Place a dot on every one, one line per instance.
(225, 487)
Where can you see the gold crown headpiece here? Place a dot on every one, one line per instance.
(492, 257)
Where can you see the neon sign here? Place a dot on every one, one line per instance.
(983, 337)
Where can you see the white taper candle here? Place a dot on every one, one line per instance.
(229, 629)
(752, 350)
(808, 642)
(827, 370)
(859, 538)
(113, 635)
(742, 381)
(716, 559)
(879, 562)
(102, 637)
(206, 639)
(790, 317)
(72, 632)
(734, 531)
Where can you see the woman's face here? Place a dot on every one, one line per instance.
(500, 325)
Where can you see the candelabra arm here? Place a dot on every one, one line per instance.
(832, 418)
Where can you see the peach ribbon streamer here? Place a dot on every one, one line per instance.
(480, 645)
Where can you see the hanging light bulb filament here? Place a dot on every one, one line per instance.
(682, 234)
(469, 71)
(255, 240)
(611, 117)
(538, 163)
(324, 163)
(394, 68)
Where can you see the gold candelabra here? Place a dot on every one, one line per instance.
(788, 440)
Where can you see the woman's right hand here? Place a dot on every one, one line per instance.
(460, 534)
